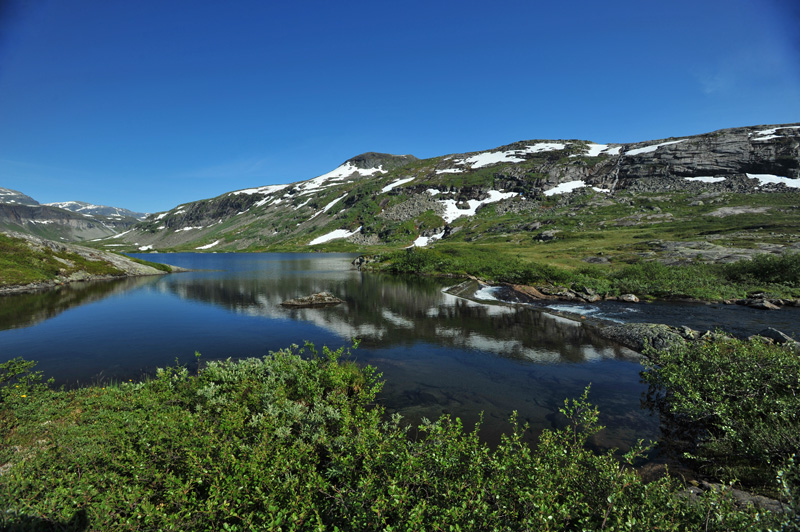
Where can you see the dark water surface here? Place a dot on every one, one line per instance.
(438, 353)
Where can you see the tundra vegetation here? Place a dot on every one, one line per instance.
(296, 441)
(775, 276)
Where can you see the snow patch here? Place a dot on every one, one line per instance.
(333, 235)
(765, 179)
(396, 184)
(423, 241)
(343, 171)
(120, 234)
(705, 179)
(511, 156)
(189, 228)
(433, 191)
(145, 248)
(488, 158)
(328, 206)
(268, 189)
(209, 246)
(649, 149)
(303, 204)
(450, 171)
(160, 216)
(769, 134)
(452, 212)
(563, 188)
(595, 150)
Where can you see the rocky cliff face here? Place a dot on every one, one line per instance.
(393, 200)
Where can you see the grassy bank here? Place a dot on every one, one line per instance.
(22, 263)
(777, 276)
(292, 442)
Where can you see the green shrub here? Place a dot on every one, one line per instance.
(732, 408)
(292, 442)
(779, 269)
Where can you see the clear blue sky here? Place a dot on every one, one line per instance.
(148, 104)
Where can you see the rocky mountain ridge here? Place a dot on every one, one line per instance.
(65, 221)
(92, 210)
(387, 200)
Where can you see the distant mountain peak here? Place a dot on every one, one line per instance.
(90, 209)
(10, 196)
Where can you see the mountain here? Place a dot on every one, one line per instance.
(14, 197)
(97, 210)
(67, 221)
(521, 194)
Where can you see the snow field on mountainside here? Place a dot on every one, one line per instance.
(333, 235)
(595, 150)
(654, 147)
(569, 186)
(452, 212)
(396, 184)
(765, 179)
(705, 179)
(423, 241)
(769, 134)
(209, 246)
(488, 158)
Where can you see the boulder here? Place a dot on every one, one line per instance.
(762, 304)
(321, 299)
(637, 336)
(776, 336)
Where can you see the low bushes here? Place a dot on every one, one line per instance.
(292, 442)
(777, 275)
(733, 409)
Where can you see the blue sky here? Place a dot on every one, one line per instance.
(149, 104)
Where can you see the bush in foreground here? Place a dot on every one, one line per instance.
(733, 409)
(291, 442)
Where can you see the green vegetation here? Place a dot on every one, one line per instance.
(733, 409)
(775, 275)
(297, 443)
(158, 266)
(21, 263)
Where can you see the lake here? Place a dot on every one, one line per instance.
(438, 354)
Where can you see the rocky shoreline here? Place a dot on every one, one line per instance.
(126, 266)
(634, 336)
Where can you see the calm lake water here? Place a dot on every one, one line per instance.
(438, 353)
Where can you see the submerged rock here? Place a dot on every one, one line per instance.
(321, 299)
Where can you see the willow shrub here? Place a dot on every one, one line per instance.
(295, 441)
(732, 408)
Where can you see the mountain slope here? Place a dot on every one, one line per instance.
(522, 194)
(93, 210)
(66, 221)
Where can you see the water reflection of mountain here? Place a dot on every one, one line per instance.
(386, 311)
(25, 310)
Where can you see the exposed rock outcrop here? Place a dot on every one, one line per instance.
(321, 299)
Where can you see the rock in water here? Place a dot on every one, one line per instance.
(321, 299)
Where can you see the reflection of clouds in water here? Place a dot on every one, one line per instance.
(512, 348)
(394, 319)
(392, 312)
